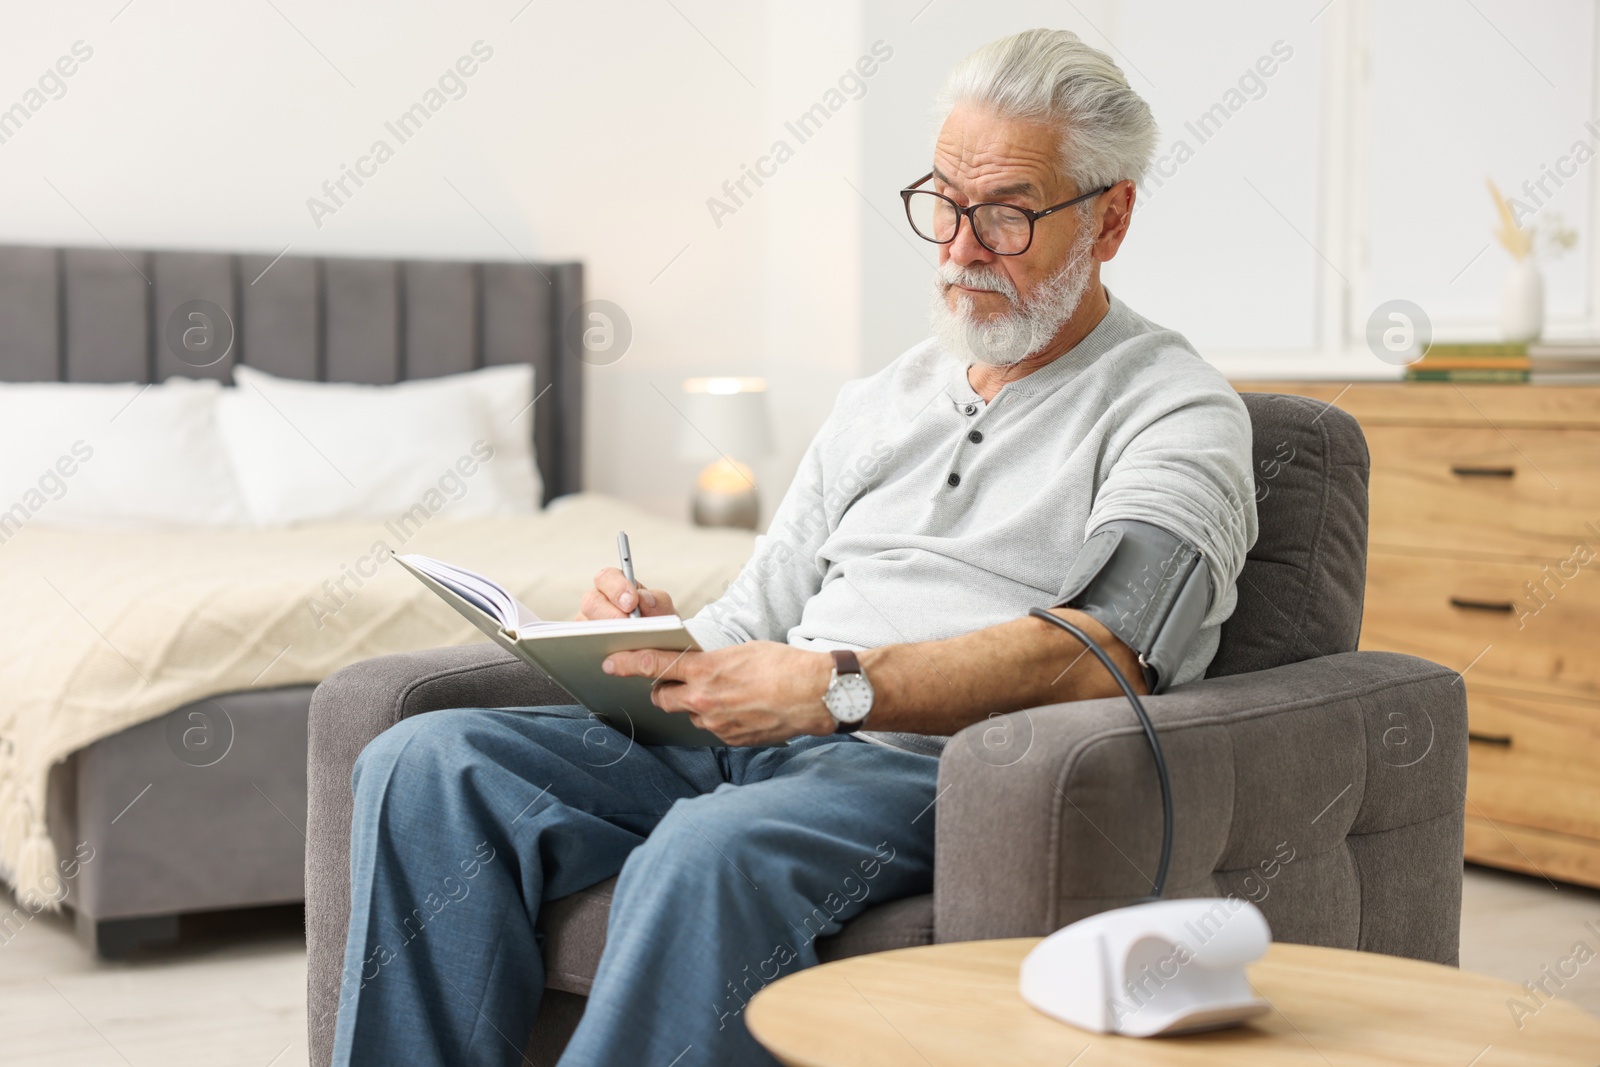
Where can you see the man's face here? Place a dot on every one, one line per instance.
(982, 156)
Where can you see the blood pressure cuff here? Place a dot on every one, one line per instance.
(1149, 587)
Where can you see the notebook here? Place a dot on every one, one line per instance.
(571, 652)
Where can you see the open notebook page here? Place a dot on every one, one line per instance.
(515, 617)
(483, 593)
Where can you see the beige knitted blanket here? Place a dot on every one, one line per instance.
(101, 630)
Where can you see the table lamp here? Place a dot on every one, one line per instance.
(725, 422)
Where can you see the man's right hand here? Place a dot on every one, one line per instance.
(614, 597)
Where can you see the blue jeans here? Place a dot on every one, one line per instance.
(733, 862)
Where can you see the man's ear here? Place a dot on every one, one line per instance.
(1116, 212)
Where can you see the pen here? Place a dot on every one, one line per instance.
(627, 569)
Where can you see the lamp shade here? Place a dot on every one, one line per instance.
(724, 417)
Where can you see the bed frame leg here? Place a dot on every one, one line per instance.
(115, 938)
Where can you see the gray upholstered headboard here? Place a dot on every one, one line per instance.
(98, 315)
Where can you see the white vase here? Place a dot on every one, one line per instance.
(1522, 302)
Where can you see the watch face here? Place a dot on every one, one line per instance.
(849, 697)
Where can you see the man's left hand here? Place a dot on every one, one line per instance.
(759, 692)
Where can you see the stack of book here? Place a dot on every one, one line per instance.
(1538, 363)
(1564, 363)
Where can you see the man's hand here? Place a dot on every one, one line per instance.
(614, 597)
(747, 694)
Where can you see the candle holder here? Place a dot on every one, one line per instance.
(725, 418)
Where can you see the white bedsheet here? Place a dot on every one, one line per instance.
(105, 629)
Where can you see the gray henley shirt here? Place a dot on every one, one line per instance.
(920, 512)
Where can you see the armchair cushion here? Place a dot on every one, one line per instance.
(1301, 590)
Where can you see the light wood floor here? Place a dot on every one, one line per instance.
(233, 993)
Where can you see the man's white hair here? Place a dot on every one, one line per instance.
(1051, 76)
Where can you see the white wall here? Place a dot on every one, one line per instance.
(1457, 97)
(596, 132)
(811, 315)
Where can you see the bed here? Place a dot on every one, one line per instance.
(162, 637)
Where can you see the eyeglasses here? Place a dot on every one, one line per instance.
(1004, 229)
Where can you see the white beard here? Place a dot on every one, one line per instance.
(1010, 337)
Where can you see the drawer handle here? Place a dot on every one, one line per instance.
(1505, 607)
(1503, 740)
(1483, 472)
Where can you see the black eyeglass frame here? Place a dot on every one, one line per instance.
(966, 212)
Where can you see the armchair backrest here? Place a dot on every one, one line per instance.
(1301, 591)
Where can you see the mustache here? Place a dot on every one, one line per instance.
(951, 274)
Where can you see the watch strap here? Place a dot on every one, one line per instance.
(845, 662)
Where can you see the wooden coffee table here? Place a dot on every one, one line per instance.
(958, 1004)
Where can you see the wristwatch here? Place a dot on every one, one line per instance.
(849, 695)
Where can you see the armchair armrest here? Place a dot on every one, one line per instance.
(1329, 792)
(349, 709)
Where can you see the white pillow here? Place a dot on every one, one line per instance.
(460, 445)
(114, 455)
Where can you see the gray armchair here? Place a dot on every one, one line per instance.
(1322, 783)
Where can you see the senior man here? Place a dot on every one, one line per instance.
(1048, 446)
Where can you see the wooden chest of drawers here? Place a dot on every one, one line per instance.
(1484, 555)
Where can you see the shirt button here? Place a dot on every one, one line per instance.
(975, 437)
(954, 479)
(971, 409)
